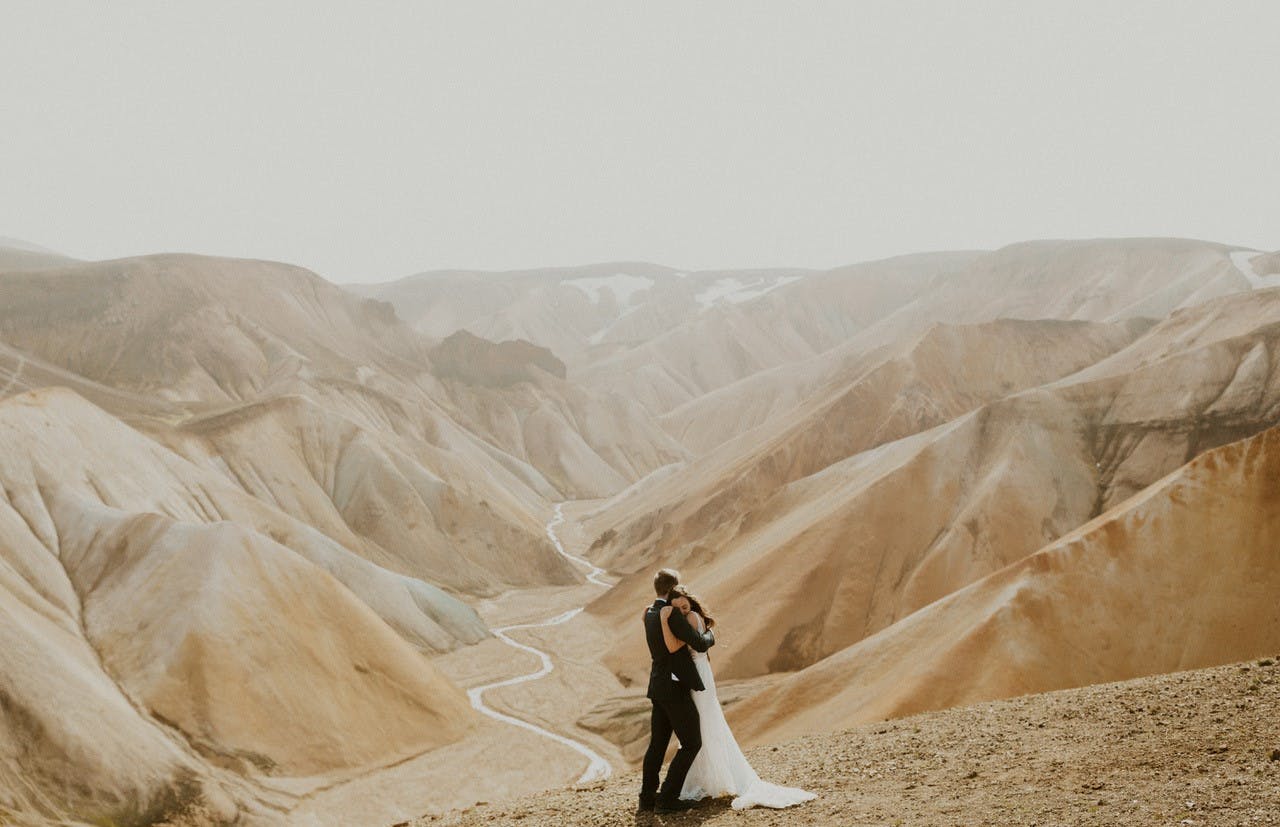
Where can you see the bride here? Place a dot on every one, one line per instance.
(720, 768)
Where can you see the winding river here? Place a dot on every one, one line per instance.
(597, 767)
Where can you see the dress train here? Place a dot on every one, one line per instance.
(720, 768)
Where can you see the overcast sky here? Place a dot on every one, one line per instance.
(372, 140)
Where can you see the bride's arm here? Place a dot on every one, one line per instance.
(673, 643)
(698, 641)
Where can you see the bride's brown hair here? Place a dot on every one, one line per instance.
(694, 603)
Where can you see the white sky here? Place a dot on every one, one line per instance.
(375, 139)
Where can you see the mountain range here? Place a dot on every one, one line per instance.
(250, 519)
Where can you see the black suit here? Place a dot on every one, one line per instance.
(672, 677)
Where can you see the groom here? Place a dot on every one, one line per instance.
(672, 678)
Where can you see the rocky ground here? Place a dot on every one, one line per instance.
(1191, 748)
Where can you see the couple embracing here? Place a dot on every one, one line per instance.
(709, 762)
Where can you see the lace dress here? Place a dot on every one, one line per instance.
(720, 768)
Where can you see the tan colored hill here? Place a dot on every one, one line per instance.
(808, 569)
(16, 255)
(714, 370)
(21, 371)
(58, 443)
(514, 394)
(219, 332)
(330, 445)
(1093, 279)
(258, 549)
(584, 444)
(675, 339)
(662, 337)
(298, 467)
(515, 304)
(407, 505)
(403, 485)
(1181, 576)
(932, 380)
(168, 636)
(189, 327)
(579, 313)
(268, 356)
(786, 326)
(847, 491)
(474, 360)
(1103, 280)
(1187, 748)
(1267, 264)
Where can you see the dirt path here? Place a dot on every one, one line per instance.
(597, 767)
(500, 760)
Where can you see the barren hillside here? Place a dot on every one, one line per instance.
(1191, 748)
(248, 550)
(805, 566)
(165, 632)
(1180, 576)
(250, 523)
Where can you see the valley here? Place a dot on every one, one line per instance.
(275, 551)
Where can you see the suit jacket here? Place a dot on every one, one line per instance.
(662, 685)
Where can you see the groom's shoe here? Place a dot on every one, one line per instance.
(665, 808)
(646, 805)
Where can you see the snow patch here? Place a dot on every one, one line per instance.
(734, 291)
(1243, 260)
(621, 285)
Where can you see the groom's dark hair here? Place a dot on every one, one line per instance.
(664, 581)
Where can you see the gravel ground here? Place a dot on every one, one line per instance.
(1191, 748)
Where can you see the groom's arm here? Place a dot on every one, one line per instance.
(698, 641)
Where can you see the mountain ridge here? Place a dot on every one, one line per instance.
(846, 463)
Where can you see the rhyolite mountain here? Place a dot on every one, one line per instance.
(245, 514)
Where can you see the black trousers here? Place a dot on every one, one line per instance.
(678, 715)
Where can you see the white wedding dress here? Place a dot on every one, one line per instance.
(720, 768)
